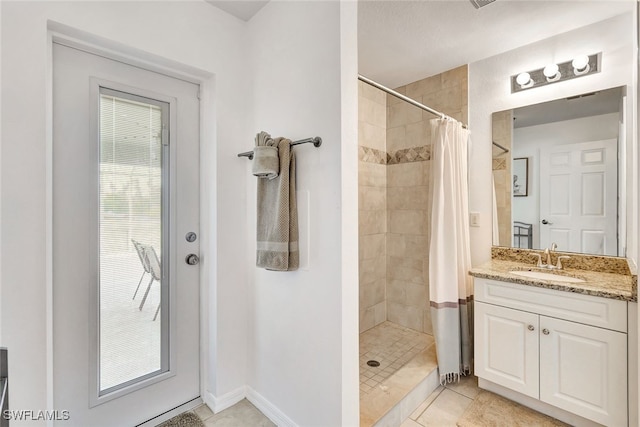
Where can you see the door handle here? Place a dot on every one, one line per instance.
(545, 222)
(192, 259)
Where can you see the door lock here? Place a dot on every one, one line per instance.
(192, 259)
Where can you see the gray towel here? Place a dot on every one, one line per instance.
(277, 236)
(265, 157)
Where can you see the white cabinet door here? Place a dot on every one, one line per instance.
(583, 370)
(506, 343)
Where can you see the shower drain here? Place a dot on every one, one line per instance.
(373, 363)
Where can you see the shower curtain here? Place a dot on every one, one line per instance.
(450, 287)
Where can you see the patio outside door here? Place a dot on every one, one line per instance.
(125, 240)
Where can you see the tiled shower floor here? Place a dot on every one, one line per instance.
(391, 345)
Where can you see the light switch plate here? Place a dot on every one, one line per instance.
(474, 219)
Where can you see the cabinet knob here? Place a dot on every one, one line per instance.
(530, 327)
(545, 331)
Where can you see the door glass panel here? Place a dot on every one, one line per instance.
(132, 290)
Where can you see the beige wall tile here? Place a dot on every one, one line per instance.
(396, 291)
(372, 293)
(367, 319)
(380, 288)
(372, 174)
(372, 246)
(396, 138)
(380, 312)
(410, 246)
(392, 100)
(406, 269)
(427, 327)
(372, 198)
(455, 77)
(426, 170)
(407, 222)
(402, 198)
(372, 136)
(409, 317)
(402, 114)
(406, 174)
(446, 101)
(416, 295)
(372, 112)
(372, 222)
(422, 87)
(418, 134)
(365, 294)
(372, 93)
(370, 271)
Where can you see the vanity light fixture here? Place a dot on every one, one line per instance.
(524, 80)
(582, 65)
(552, 73)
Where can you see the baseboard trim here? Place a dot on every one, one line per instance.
(227, 400)
(269, 409)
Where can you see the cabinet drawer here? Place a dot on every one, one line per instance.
(586, 309)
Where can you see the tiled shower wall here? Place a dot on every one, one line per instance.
(372, 202)
(502, 124)
(408, 176)
(394, 154)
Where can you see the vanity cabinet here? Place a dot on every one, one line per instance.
(567, 350)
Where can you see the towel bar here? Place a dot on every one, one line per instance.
(317, 142)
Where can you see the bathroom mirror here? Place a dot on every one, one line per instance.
(558, 174)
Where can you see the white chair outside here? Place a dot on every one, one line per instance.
(143, 261)
(156, 273)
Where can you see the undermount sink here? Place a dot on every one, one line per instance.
(547, 276)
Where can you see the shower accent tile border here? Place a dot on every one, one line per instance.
(409, 155)
(499, 164)
(406, 155)
(372, 155)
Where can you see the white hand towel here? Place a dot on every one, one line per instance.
(266, 163)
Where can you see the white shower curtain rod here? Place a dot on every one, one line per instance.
(405, 98)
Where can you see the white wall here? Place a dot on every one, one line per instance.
(489, 91)
(528, 141)
(304, 323)
(192, 33)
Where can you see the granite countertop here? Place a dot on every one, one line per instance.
(608, 285)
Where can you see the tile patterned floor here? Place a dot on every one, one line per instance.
(242, 414)
(445, 405)
(392, 346)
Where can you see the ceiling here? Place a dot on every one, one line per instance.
(402, 41)
(242, 9)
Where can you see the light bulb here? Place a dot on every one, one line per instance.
(552, 72)
(524, 80)
(580, 64)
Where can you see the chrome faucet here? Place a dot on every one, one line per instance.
(539, 264)
(559, 263)
(548, 252)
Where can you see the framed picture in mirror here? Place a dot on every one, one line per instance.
(521, 177)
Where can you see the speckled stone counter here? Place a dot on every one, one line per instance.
(606, 277)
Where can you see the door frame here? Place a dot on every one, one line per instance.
(90, 43)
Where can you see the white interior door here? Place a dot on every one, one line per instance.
(125, 197)
(578, 197)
